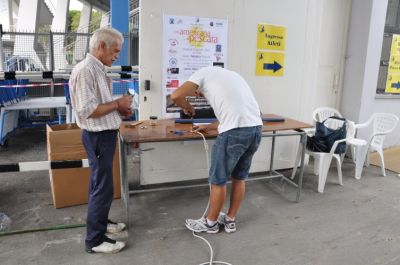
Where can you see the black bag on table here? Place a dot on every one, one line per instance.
(325, 137)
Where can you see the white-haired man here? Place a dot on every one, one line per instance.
(98, 115)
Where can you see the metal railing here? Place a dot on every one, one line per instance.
(25, 51)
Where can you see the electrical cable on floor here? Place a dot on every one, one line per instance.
(57, 227)
(206, 210)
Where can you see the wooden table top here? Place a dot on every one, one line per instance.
(164, 130)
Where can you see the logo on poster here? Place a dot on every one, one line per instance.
(197, 37)
(173, 62)
(173, 71)
(173, 42)
(218, 56)
(172, 51)
(172, 83)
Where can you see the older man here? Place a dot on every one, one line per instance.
(98, 115)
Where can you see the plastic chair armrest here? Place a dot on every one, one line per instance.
(337, 142)
(361, 125)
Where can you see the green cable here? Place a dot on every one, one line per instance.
(57, 227)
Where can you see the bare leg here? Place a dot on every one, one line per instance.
(237, 195)
(217, 198)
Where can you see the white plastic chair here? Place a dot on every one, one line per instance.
(322, 161)
(322, 113)
(383, 124)
(319, 115)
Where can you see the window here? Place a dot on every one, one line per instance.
(389, 68)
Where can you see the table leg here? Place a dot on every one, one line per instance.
(124, 178)
(303, 144)
(297, 159)
(68, 114)
(2, 122)
(271, 162)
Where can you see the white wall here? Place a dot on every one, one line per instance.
(362, 66)
(292, 95)
(279, 95)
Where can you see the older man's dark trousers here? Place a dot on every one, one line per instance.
(100, 148)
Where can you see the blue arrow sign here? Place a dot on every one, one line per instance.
(396, 85)
(272, 66)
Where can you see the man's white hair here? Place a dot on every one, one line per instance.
(107, 35)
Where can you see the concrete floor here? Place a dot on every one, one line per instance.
(357, 223)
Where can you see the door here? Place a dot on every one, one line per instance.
(333, 38)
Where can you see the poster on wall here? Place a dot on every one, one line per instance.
(190, 43)
(393, 76)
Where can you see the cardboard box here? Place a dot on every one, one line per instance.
(70, 186)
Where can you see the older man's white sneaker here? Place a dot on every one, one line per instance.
(109, 246)
(113, 227)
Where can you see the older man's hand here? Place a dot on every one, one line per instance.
(125, 105)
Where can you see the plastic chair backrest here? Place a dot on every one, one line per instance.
(383, 123)
(322, 113)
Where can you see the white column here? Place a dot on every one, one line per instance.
(6, 15)
(81, 42)
(105, 20)
(28, 15)
(15, 10)
(59, 25)
(60, 16)
(28, 22)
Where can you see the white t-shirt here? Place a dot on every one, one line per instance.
(230, 97)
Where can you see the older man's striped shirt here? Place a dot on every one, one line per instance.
(89, 87)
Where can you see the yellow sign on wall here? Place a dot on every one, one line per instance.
(269, 63)
(395, 48)
(393, 83)
(393, 77)
(270, 37)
